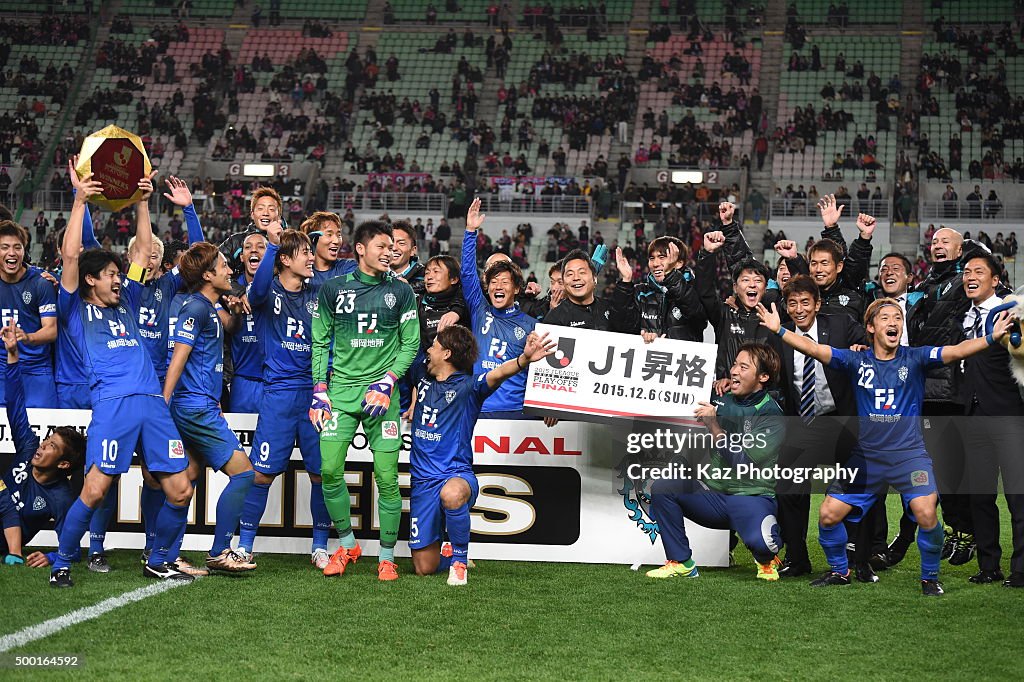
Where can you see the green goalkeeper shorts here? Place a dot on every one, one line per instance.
(382, 433)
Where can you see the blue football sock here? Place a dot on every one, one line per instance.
(174, 551)
(151, 500)
(76, 523)
(252, 513)
(386, 553)
(229, 510)
(457, 523)
(929, 542)
(321, 519)
(170, 525)
(444, 564)
(101, 520)
(833, 541)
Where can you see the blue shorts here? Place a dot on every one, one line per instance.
(73, 397)
(284, 419)
(135, 423)
(40, 390)
(911, 477)
(245, 395)
(206, 433)
(426, 513)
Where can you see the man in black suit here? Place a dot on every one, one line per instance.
(822, 401)
(993, 442)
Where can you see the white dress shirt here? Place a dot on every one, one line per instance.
(902, 300)
(985, 307)
(823, 400)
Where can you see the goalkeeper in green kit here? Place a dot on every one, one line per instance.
(368, 320)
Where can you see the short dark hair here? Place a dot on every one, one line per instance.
(990, 261)
(767, 359)
(172, 249)
(577, 254)
(906, 261)
(449, 263)
(828, 246)
(555, 267)
(291, 242)
(74, 446)
(462, 344)
(91, 263)
(404, 226)
(508, 266)
(750, 264)
(5, 213)
(801, 284)
(9, 228)
(660, 245)
(366, 231)
(267, 192)
(199, 259)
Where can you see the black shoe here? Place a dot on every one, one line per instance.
(145, 556)
(61, 578)
(880, 561)
(895, 552)
(984, 577)
(98, 563)
(165, 572)
(964, 549)
(932, 588)
(948, 543)
(831, 578)
(865, 574)
(794, 569)
(1016, 579)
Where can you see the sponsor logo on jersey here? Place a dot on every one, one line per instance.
(49, 308)
(38, 504)
(390, 300)
(934, 353)
(175, 449)
(26, 296)
(919, 477)
(189, 324)
(903, 373)
(408, 315)
(389, 430)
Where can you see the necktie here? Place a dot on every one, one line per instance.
(976, 325)
(807, 389)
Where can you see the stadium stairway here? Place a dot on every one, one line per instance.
(905, 238)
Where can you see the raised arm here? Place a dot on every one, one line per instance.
(736, 247)
(89, 240)
(707, 276)
(72, 246)
(966, 349)
(471, 290)
(179, 195)
(770, 319)
(139, 257)
(259, 289)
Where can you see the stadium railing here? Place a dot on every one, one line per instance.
(438, 203)
(971, 210)
(808, 208)
(654, 210)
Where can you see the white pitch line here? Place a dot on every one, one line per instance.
(55, 625)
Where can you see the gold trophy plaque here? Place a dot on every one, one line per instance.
(118, 160)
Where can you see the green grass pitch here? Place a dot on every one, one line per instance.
(522, 620)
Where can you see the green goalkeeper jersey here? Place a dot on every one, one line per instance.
(371, 326)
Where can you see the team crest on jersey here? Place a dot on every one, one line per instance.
(449, 396)
(520, 333)
(189, 324)
(390, 300)
(26, 296)
(677, 314)
(38, 504)
(158, 295)
(175, 449)
(919, 477)
(904, 372)
(844, 299)
(310, 306)
(389, 430)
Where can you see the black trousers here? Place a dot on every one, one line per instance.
(826, 440)
(994, 447)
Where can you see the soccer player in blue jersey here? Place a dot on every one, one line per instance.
(31, 302)
(500, 326)
(128, 412)
(324, 231)
(888, 381)
(35, 493)
(193, 388)
(283, 307)
(246, 345)
(448, 402)
(155, 311)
